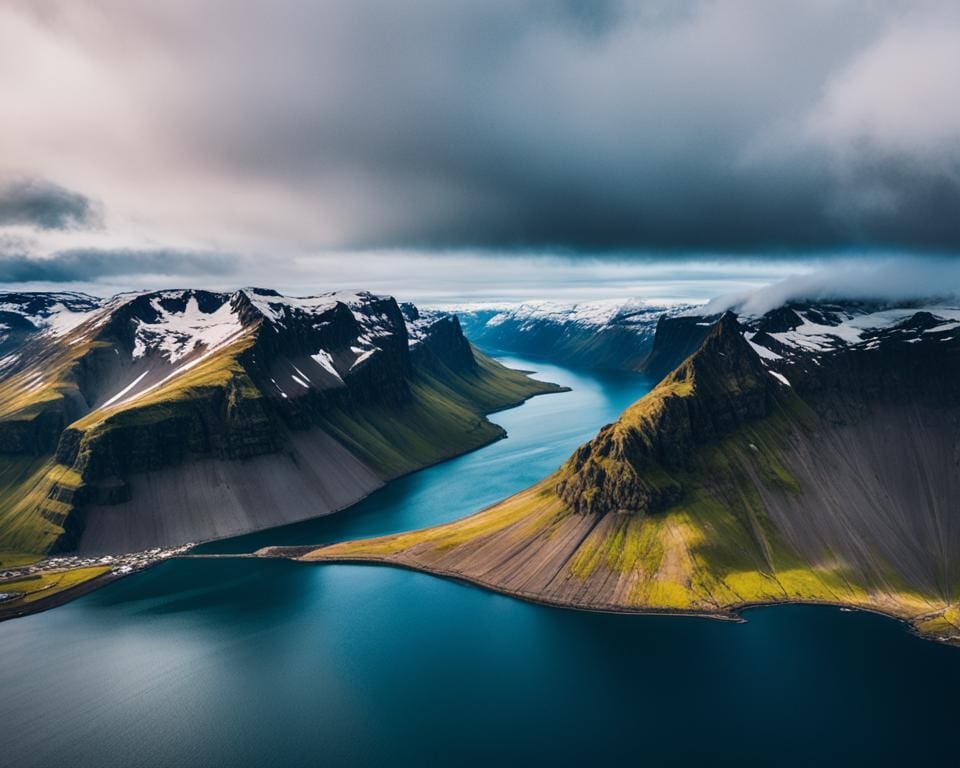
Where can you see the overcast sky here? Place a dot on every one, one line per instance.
(488, 149)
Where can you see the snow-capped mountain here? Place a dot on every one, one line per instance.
(25, 314)
(615, 334)
(807, 453)
(800, 332)
(157, 337)
(318, 399)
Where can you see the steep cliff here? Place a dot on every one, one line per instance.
(808, 454)
(712, 393)
(600, 334)
(122, 428)
(676, 338)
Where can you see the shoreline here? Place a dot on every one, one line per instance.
(14, 609)
(732, 614)
(294, 554)
(61, 597)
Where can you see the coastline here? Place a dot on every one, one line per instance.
(733, 613)
(15, 608)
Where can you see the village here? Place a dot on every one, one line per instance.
(120, 565)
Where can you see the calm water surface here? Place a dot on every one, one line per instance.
(234, 662)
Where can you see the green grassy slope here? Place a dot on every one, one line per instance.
(680, 506)
(30, 520)
(444, 419)
(38, 494)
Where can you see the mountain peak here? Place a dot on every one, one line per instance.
(722, 385)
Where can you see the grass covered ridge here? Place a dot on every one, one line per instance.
(713, 549)
(446, 417)
(712, 554)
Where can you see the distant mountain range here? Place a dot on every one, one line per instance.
(614, 334)
(810, 453)
(156, 419)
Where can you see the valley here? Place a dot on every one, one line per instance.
(229, 660)
(610, 334)
(801, 454)
(536, 383)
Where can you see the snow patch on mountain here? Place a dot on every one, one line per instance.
(588, 314)
(780, 377)
(275, 307)
(125, 390)
(55, 313)
(325, 360)
(824, 329)
(177, 334)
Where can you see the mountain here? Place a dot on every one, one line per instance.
(156, 419)
(24, 315)
(807, 454)
(601, 334)
(677, 336)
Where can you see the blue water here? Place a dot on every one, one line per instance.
(245, 662)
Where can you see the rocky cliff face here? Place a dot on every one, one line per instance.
(437, 337)
(721, 387)
(601, 334)
(806, 454)
(676, 338)
(140, 383)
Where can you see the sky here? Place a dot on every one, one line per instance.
(448, 150)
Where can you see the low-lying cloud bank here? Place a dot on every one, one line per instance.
(91, 264)
(891, 280)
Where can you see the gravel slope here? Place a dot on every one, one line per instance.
(213, 499)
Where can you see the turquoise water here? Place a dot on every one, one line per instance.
(245, 662)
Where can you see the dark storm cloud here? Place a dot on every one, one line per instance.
(44, 205)
(79, 265)
(659, 125)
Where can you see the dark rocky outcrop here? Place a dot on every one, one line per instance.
(229, 380)
(443, 342)
(676, 339)
(218, 424)
(623, 469)
(32, 435)
(582, 335)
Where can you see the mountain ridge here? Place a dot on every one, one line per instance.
(805, 455)
(144, 397)
(605, 334)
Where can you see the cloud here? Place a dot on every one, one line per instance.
(90, 264)
(892, 132)
(647, 126)
(44, 205)
(890, 280)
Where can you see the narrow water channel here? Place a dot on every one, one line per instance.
(271, 663)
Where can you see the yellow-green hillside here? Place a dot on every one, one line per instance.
(83, 416)
(718, 490)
